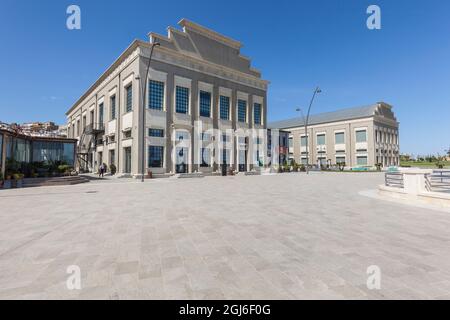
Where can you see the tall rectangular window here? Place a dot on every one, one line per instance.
(291, 142)
(257, 113)
(321, 140)
(242, 110)
(100, 113)
(182, 100)
(155, 156)
(224, 108)
(78, 127)
(129, 98)
(113, 107)
(339, 138)
(361, 136)
(205, 104)
(112, 157)
(206, 157)
(155, 95)
(158, 133)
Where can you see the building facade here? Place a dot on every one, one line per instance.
(197, 76)
(359, 137)
(18, 150)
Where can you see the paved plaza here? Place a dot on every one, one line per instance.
(288, 236)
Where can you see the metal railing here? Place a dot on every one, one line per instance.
(438, 181)
(394, 179)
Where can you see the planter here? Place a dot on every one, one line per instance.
(19, 183)
(7, 184)
(149, 174)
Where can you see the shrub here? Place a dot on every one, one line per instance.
(18, 176)
(113, 169)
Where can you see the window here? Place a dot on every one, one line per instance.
(205, 104)
(291, 142)
(155, 95)
(361, 160)
(127, 134)
(100, 113)
(78, 127)
(206, 136)
(155, 156)
(129, 98)
(339, 138)
(361, 136)
(92, 116)
(224, 108)
(340, 159)
(206, 157)
(113, 107)
(303, 141)
(112, 157)
(158, 133)
(182, 135)
(242, 110)
(321, 140)
(182, 100)
(257, 113)
(84, 122)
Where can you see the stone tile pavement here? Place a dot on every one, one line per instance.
(287, 236)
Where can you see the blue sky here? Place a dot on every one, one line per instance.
(297, 45)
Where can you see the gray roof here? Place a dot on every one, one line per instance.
(327, 117)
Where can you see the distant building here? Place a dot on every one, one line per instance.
(359, 137)
(277, 147)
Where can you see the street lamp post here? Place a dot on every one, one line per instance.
(316, 91)
(144, 92)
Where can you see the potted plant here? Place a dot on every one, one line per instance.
(113, 169)
(341, 166)
(18, 179)
(378, 165)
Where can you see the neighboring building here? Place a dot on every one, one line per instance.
(196, 74)
(277, 147)
(18, 150)
(360, 137)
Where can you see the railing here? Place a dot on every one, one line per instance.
(394, 179)
(438, 181)
(94, 128)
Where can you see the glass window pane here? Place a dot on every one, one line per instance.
(182, 100)
(242, 110)
(303, 141)
(155, 95)
(113, 107)
(257, 113)
(205, 104)
(224, 108)
(321, 140)
(340, 138)
(361, 136)
(129, 98)
(361, 160)
(159, 133)
(155, 156)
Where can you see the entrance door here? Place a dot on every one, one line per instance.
(242, 160)
(224, 162)
(127, 160)
(181, 165)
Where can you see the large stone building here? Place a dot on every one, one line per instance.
(358, 137)
(196, 75)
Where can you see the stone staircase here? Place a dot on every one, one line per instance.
(56, 181)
